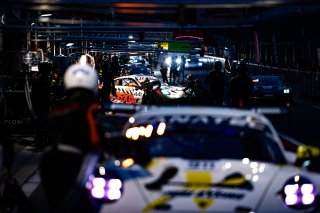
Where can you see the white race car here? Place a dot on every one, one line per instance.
(130, 88)
(203, 159)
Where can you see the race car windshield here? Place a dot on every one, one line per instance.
(205, 142)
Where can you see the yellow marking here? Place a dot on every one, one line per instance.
(152, 164)
(156, 202)
(234, 181)
(200, 180)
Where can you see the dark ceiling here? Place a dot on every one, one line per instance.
(102, 20)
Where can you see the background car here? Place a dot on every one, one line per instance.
(193, 63)
(271, 89)
(130, 88)
(196, 159)
(133, 69)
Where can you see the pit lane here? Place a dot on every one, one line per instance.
(299, 124)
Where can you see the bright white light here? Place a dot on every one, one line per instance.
(99, 182)
(296, 178)
(114, 194)
(102, 170)
(46, 15)
(245, 161)
(135, 133)
(131, 120)
(69, 44)
(291, 189)
(255, 178)
(129, 132)
(291, 199)
(178, 60)
(161, 128)
(142, 130)
(254, 165)
(286, 91)
(308, 199)
(149, 130)
(115, 183)
(97, 192)
(130, 37)
(306, 189)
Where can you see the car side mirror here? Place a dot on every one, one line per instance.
(308, 157)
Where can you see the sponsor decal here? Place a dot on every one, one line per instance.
(125, 98)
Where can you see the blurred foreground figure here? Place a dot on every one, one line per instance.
(240, 87)
(216, 81)
(72, 133)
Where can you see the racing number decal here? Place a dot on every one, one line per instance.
(200, 180)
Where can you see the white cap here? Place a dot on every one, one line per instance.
(81, 76)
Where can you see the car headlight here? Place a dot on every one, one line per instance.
(286, 91)
(299, 193)
(104, 187)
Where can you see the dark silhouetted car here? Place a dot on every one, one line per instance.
(271, 90)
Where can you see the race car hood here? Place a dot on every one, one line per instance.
(200, 185)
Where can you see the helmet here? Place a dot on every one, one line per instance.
(81, 76)
(189, 77)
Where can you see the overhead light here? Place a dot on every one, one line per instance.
(32, 23)
(69, 44)
(46, 15)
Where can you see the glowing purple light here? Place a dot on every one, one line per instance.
(113, 194)
(299, 195)
(308, 199)
(291, 189)
(307, 189)
(97, 193)
(105, 189)
(291, 199)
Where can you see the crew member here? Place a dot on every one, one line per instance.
(72, 133)
(240, 87)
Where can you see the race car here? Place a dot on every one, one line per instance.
(271, 90)
(131, 88)
(205, 159)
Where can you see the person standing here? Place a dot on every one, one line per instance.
(73, 132)
(240, 87)
(173, 70)
(108, 86)
(181, 69)
(216, 81)
(164, 71)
